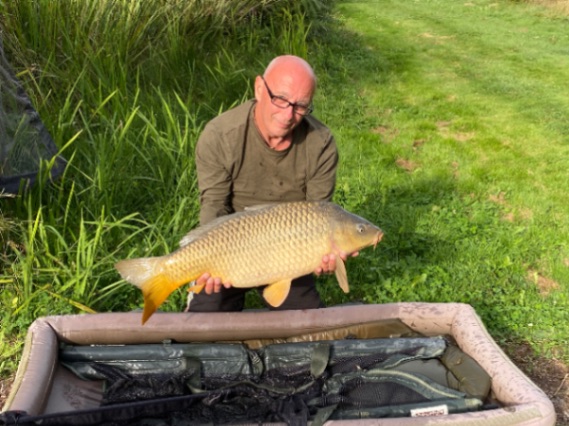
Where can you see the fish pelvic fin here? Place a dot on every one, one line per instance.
(276, 293)
(342, 275)
(146, 273)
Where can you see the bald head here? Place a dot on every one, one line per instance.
(287, 84)
(293, 69)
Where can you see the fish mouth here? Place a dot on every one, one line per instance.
(377, 239)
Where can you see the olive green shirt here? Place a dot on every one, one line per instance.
(237, 169)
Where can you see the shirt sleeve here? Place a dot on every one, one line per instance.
(321, 183)
(214, 175)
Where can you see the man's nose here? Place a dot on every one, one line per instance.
(289, 111)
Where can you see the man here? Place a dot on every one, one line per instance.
(267, 150)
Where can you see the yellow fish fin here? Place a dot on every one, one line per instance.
(342, 275)
(258, 207)
(203, 230)
(196, 288)
(155, 291)
(146, 273)
(276, 293)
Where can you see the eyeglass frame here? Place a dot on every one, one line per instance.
(309, 108)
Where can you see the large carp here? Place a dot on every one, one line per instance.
(267, 245)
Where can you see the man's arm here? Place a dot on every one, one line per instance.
(322, 179)
(214, 182)
(214, 178)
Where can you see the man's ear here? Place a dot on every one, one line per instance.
(258, 87)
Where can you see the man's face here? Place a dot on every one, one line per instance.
(294, 88)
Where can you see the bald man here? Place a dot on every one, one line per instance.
(267, 150)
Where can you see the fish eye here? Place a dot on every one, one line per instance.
(361, 228)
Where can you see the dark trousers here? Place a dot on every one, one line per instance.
(302, 295)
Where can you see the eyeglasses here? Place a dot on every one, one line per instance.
(283, 103)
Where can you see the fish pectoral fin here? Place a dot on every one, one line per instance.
(196, 288)
(342, 275)
(276, 293)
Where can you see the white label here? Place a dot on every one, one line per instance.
(437, 410)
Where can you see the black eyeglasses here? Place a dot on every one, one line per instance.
(281, 102)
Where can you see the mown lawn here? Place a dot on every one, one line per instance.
(451, 120)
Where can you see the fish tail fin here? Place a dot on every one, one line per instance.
(147, 274)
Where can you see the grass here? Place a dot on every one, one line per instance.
(450, 119)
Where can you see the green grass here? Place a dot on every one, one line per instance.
(450, 119)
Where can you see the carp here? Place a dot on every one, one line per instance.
(262, 246)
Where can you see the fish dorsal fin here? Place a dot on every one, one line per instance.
(258, 207)
(198, 232)
(342, 275)
(276, 293)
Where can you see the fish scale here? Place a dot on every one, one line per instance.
(296, 233)
(268, 245)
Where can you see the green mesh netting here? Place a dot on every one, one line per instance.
(24, 141)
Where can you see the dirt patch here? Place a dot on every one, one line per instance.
(444, 130)
(551, 375)
(386, 132)
(455, 169)
(499, 198)
(463, 136)
(559, 6)
(437, 38)
(5, 385)
(523, 214)
(545, 285)
(406, 165)
(418, 144)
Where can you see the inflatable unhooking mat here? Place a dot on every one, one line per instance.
(394, 364)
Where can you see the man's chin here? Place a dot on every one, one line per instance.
(284, 130)
(280, 133)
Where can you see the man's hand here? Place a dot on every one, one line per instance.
(329, 262)
(212, 284)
